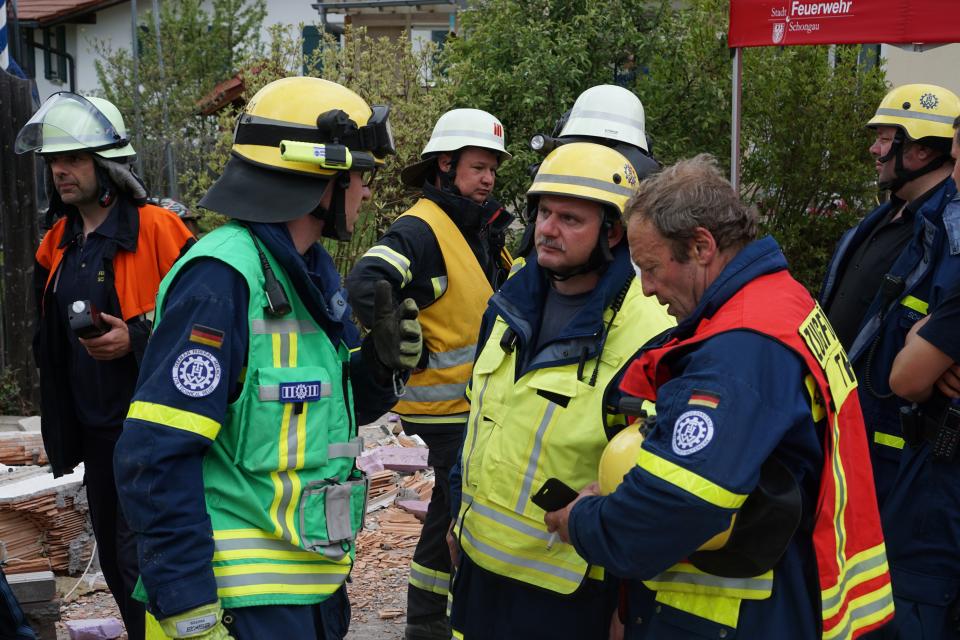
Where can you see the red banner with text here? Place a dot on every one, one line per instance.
(758, 23)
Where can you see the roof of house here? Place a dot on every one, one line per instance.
(44, 13)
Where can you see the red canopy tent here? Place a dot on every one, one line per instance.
(760, 23)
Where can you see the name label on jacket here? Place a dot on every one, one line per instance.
(825, 347)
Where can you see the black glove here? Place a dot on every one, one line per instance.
(395, 339)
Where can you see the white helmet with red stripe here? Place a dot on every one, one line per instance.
(456, 130)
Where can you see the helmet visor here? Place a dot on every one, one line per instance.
(68, 122)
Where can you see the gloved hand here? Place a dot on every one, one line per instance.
(202, 623)
(396, 336)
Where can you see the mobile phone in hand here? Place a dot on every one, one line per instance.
(553, 495)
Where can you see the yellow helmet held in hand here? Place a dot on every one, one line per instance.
(620, 456)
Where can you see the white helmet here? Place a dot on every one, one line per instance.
(70, 122)
(610, 112)
(455, 130)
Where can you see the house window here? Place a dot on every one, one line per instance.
(869, 56)
(55, 66)
(312, 48)
(29, 53)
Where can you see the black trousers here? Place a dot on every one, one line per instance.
(116, 543)
(430, 570)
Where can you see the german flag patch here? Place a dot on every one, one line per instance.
(703, 398)
(206, 336)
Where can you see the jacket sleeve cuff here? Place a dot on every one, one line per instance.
(139, 334)
(183, 595)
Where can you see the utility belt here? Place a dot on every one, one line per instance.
(936, 422)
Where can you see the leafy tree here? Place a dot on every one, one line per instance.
(200, 48)
(526, 61)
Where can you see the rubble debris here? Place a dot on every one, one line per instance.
(95, 629)
(41, 520)
(37, 586)
(390, 614)
(20, 448)
(417, 508)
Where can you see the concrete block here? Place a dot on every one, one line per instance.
(404, 458)
(42, 617)
(95, 629)
(31, 423)
(417, 507)
(38, 586)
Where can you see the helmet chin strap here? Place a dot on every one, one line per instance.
(335, 217)
(901, 175)
(448, 178)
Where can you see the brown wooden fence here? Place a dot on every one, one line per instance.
(18, 237)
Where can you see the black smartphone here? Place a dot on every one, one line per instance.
(553, 495)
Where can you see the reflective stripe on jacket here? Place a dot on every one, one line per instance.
(281, 493)
(854, 581)
(450, 326)
(548, 423)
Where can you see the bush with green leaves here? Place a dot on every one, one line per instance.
(526, 61)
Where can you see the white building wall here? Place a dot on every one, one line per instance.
(113, 26)
(935, 66)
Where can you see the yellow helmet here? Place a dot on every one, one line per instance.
(312, 126)
(588, 171)
(620, 456)
(920, 110)
(294, 136)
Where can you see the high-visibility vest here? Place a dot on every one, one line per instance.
(854, 579)
(549, 423)
(450, 326)
(284, 501)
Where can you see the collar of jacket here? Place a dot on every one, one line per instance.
(758, 258)
(315, 278)
(122, 224)
(469, 216)
(520, 300)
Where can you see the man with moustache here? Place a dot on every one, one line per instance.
(544, 402)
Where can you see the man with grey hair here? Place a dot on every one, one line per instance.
(734, 496)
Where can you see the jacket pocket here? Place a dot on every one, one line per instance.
(331, 515)
(285, 418)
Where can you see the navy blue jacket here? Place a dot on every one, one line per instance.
(929, 267)
(650, 523)
(921, 514)
(160, 470)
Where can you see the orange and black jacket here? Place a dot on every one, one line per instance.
(148, 241)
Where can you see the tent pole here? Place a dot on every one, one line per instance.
(735, 119)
